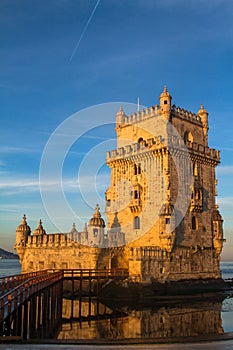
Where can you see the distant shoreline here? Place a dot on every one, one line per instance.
(4, 254)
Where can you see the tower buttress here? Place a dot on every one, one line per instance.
(204, 118)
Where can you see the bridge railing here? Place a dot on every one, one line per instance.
(9, 282)
(16, 296)
(95, 273)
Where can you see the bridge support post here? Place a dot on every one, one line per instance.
(25, 320)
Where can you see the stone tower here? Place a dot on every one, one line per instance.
(163, 193)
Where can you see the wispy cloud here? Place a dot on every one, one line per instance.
(15, 150)
(85, 184)
(11, 186)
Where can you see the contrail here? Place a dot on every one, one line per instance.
(84, 30)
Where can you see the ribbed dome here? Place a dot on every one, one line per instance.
(39, 230)
(96, 220)
(165, 93)
(23, 227)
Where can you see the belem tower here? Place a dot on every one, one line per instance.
(163, 220)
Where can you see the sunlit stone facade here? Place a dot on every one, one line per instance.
(163, 221)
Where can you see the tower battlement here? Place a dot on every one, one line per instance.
(158, 143)
(186, 115)
(154, 111)
(52, 240)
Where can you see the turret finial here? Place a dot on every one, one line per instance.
(97, 210)
(24, 219)
(39, 230)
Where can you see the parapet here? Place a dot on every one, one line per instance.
(53, 240)
(206, 151)
(135, 148)
(124, 120)
(159, 143)
(186, 115)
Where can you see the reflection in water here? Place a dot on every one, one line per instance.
(47, 315)
(89, 319)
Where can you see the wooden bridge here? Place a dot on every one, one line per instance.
(37, 297)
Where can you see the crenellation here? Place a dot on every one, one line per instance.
(174, 141)
(136, 117)
(186, 115)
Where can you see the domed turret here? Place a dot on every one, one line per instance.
(165, 103)
(96, 233)
(97, 220)
(23, 227)
(39, 230)
(73, 229)
(22, 233)
(120, 116)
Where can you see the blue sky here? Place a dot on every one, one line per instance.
(61, 56)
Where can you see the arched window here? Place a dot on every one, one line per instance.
(139, 168)
(188, 136)
(135, 169)
(194, 223)
(195, 169)
(141, 141)
(95, 232)
(136, 223)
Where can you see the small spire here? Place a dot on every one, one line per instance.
(97, 211)
(73, 229)
(165, 88)
(121, 112)
(39, 230)
(24, 220)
